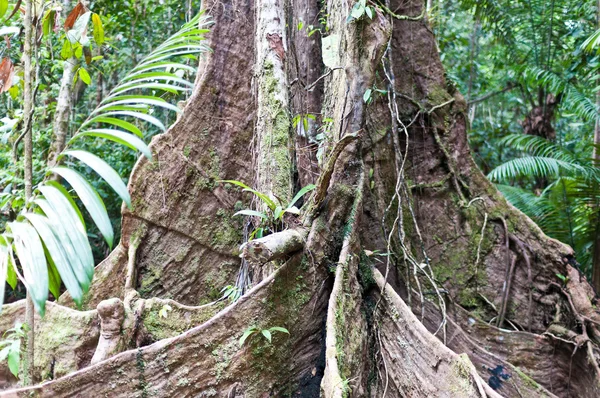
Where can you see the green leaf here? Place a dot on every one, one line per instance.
(277, 212)
(117, 122)
(98, 29)
(251, 213)
(53, 276)
(260, 195)
(138, 115)
(46, 23)
(357, 11)
(67, 242)
(14, 358)
(300, 194)
(85, 76)
(11, 275)
(105, 171)
(33, 261)
(153, 77)
(65, 218)
(136, 99)
(3, 7)
(58, 250)
(279, 329)
(129, 140)
(246, 334)
(90, 199)
(367, 95)
(267, 334)
(67, 50)
(74, 206)
(369, 12)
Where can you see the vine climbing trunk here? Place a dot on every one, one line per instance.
(406, 273)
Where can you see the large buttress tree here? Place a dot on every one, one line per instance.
(405, 274)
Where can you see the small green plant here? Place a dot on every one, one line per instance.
(563, 278)
(301, 123)
(272, 218)
(361, 8)
(232, 293)
(11, 347)
(266, 333)
(164, 311)
(370, 93)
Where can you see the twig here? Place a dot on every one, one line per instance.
(433, 109)
(509, 87)
(313, 84)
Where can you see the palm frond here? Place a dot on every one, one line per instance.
(50, 236)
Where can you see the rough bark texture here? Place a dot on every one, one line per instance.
(64, 104)
(401, 220)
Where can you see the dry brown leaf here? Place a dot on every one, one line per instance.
(73, 15)
(7, 70)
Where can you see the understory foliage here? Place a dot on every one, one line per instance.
(529, 72)
(45, 242)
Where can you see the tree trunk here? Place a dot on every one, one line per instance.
(407, 273)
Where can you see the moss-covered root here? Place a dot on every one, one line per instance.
(65, 340)
(414, 362)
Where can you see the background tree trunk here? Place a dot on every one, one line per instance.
(411, 255)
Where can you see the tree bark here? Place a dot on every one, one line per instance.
(408, 259)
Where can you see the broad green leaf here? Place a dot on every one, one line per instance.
(154, 86)
(152, 76)
(11, 275)
(58, 250)
(90, 199)
(367, 95)
(267, 334)
(14, 358)
(74, 206)
(105, 171)
(136, 99)
(85, 76)
(3, 7)
(138, 115)
(67, 50)
(117, 122)
(67, 242)
(279, 329)
(139, 70)
(53, 276)
(246, 334)
(301, 193)
(64, 215)
(260, 195)
(251, 213)
(129, 140)
(278, 212)
(33, 261)
(98, 29)
(48, 22)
